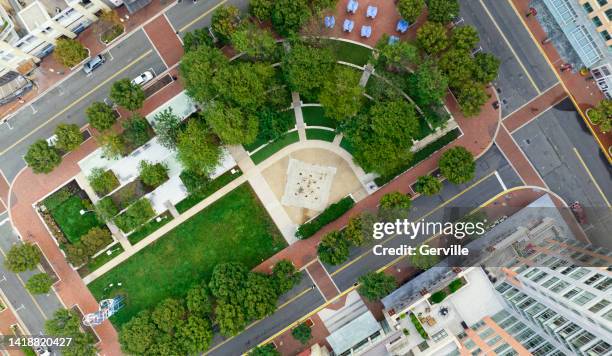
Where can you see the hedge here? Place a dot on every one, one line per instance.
(136, 214)
(418, 326)
(438, 296)
(328, 215)
(455, 285)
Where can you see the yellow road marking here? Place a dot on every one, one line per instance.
(591, 176)
(76, 101)
(201, 16)
(419, 218)
(586, 121)
(511, 49)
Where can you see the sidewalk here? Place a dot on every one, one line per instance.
(7, 318)
(322, 280)
(534, 108)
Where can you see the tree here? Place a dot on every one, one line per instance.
(95, 239)
(342, 97)
(307, 68)
(196, 149)
(69, 137)
(262, 9)
(410, 9)
(273, 124)
(168, 315)
(100, 116)
(302, 333)
(124, 93)
(442, 11)
(285, 275)
(288, 16)
(153, 174)
(258, 296)
(457, 165)
(601, 115)
(421, 261)
(106, 209)
(471, 96)
(428, 84)
(194, 182)
(394, 205)
(77, 254)
(396, 56)
(357, 230)
(432, 38)
(227, 280)
(113, 146)
(42, 157)
(167, 126)
(255, 42)
(195, 334)
(458, 66)
(66, 323)
(265, 350)
(230, 318)
(199, 301)
(136, 131)
(232, 125)
(196, 38)
(225, 21)
(244, 84)
(139, 335)
(374, 286)
(333, 248)
(69, 52)
(486, 67)
(39, 283)
(197, 68)
(427, 185)
(101, 181)
(465, 37)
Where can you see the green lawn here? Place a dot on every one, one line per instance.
(273, 147)
(351, 53)
(320, 134)
(235, 228)
(347, 146)
(101, 259)
(148, 228)
(212, 187)
(315, 116)
(68, 218)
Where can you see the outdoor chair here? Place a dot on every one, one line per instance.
(366, 31)
(330, 21)
(402, 26)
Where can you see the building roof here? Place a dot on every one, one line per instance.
(353, 332)
(135, 5)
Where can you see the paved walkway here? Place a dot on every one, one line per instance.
(7, 318)
(533, 109)
(322, 280)
(299, 116)
(165, 40)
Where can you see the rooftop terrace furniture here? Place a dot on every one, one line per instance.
(348, 25)
(366, 31)
(402, 26)
(372, 11)
(352, 6)
(330, 21)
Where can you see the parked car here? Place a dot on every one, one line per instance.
(143, 78)
(93, 63)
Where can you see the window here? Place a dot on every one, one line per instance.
(531, 272)
(597, 23)
(559, 286)
(587, 7)
(535, 309)
(503, 287)
(582, 339)
(568, 330)
(572, 293)
(534, 341)
(569, 269)
(584, 298)
(558, 264)
(609, 14)
(594, 278)
(486, 333)
(501, 348)
(525, 335)
(599, 348)
(579, 273)
(608, 315)
(550, 282)
(469, 344)
(599, 306)
(538, 277)
(604, 285)
(494, 340)
(516, 328)
(500, 316)
(606, 35)
(439, 335)
(602, 2)
(543, 350)
(506, 323)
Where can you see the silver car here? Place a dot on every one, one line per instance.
(93, 63)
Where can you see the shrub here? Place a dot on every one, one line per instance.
(100, 116)
(153, 174)
(42, 158)
(21, 258)
(333, 249)
(136, 214)
(455, 285)
(427, 185)
(69, 52)
(328, 215)
(418, 326)
(601, 115)
(302, 333)
(106, 209)
(194, 182)
(39, 283)
(102, 182)
(438, 296)
(113, 146)
(136, 131)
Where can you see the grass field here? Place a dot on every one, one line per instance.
(211, 187)
(315, 116)
(235, 228)
(320, 134)
(350, 52)
(101, 259)
(275, 146)
(148, 228)
(68, 218)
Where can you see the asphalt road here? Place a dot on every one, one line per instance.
(187, 16)
(32, 310)
(549, 143)
(496, 22)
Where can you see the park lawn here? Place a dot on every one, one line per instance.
(211, 187)
(275, 146)
(315, 116)
(235, 228)
(103, 257)
(68, 218)
(320, 134)
(351, 52)
(148, 228)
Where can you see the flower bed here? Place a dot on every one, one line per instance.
(328, 215)
(452, 287)
(418, 326)
(109, 35)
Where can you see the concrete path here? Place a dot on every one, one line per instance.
(299, 117)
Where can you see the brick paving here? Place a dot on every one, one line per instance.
(165, 40)
(322, 280)
(534, 108)
(583, 91)
(287, 345)
(7, 318)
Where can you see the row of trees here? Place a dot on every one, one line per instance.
(288, 16)
(441, 11)
(26, 257)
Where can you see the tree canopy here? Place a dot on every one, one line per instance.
(428, 185)
(243, 84)
(428, 84)
(394, 206)
(225, 22)
(21, 258)
(227, 280)
(69, 137)
(442, 11)
(374, 286)
(198, 68)
(255, 42)
(196, 148)
(101, 116)
(167, 127)
(286, 276)
(69, 52)
(306, 68)
(42, 157)
(302, 333)
(471, 96)
(124, 93)
(39, 283)
(432, 38)
(457, 165)
(66, 323)
(410, 9)
(288, 16)
(342, 97)
(601, 115)
(333, 248)
(465, 37)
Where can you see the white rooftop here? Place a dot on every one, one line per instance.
(181, 104)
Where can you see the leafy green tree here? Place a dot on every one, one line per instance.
(342, 97)
(101, 181)
(113, 146)
(42, 157)
(357, 231)
(457, 165)
(139, 335)
(410, 9)
(288, 16)
(255, 42)
(432, 38)
(153, 174)
(199, 301)
(273, 124)
(77, 254)
(465, 37)
(396, 56)
(95, 239)
(261, 9)
(244, 84)
(423, 262)
(225, 21)
(285, 275)
(333, 248)
(374, 286)
(195, 334)
(136, 131)
(457, 65)
(69, 137)
(471, 96)
(196, 38)
(196, 148)
(66, 323)
(39, 283)
(428, 185)
(265, 350)
(124, 93)
(395, 120)
(601, 115)
(230, 318)
(227, 280)
(231, 124)
(428, 84)
(167, 126)
(168, 345)
(307, 68)
(69, 52)
(302, 333)
(486, 67)
(194, 182)
(169, 315)
(394, 206)
(106, 209)
(442, 11)
(136, 214)
(197, 68)
(258, 296)
(101, 116)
